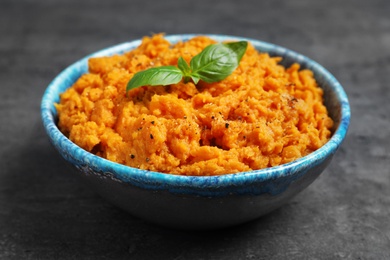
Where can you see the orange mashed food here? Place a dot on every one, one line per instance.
(262, 115)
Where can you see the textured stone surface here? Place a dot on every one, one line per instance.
(46, 213)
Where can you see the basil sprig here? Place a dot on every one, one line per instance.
(213, 64)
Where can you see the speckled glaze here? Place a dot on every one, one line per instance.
(199, 202)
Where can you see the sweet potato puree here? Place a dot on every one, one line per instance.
(260, 116)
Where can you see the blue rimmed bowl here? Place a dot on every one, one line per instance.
(199, 202)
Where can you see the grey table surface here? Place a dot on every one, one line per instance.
(46, 213)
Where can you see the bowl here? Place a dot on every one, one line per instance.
(199, 202)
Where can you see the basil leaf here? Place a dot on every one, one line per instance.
(214, 63)
(217, 61)
(165, 75)
(195, 79)
(185, 69)
(183, 66)
(239, 48)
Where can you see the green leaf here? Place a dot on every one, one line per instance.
(183, 66)
(239, 48)
(185, 69)
(165, 75)
(214, 63)
(217, 61)
(195, 79)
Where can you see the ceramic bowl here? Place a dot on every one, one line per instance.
(187, 202)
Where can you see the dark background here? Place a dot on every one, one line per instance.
(46, 213)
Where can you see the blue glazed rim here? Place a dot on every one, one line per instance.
(205, 185)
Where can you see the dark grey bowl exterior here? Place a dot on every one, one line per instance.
(185, 211)
(190, 202)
